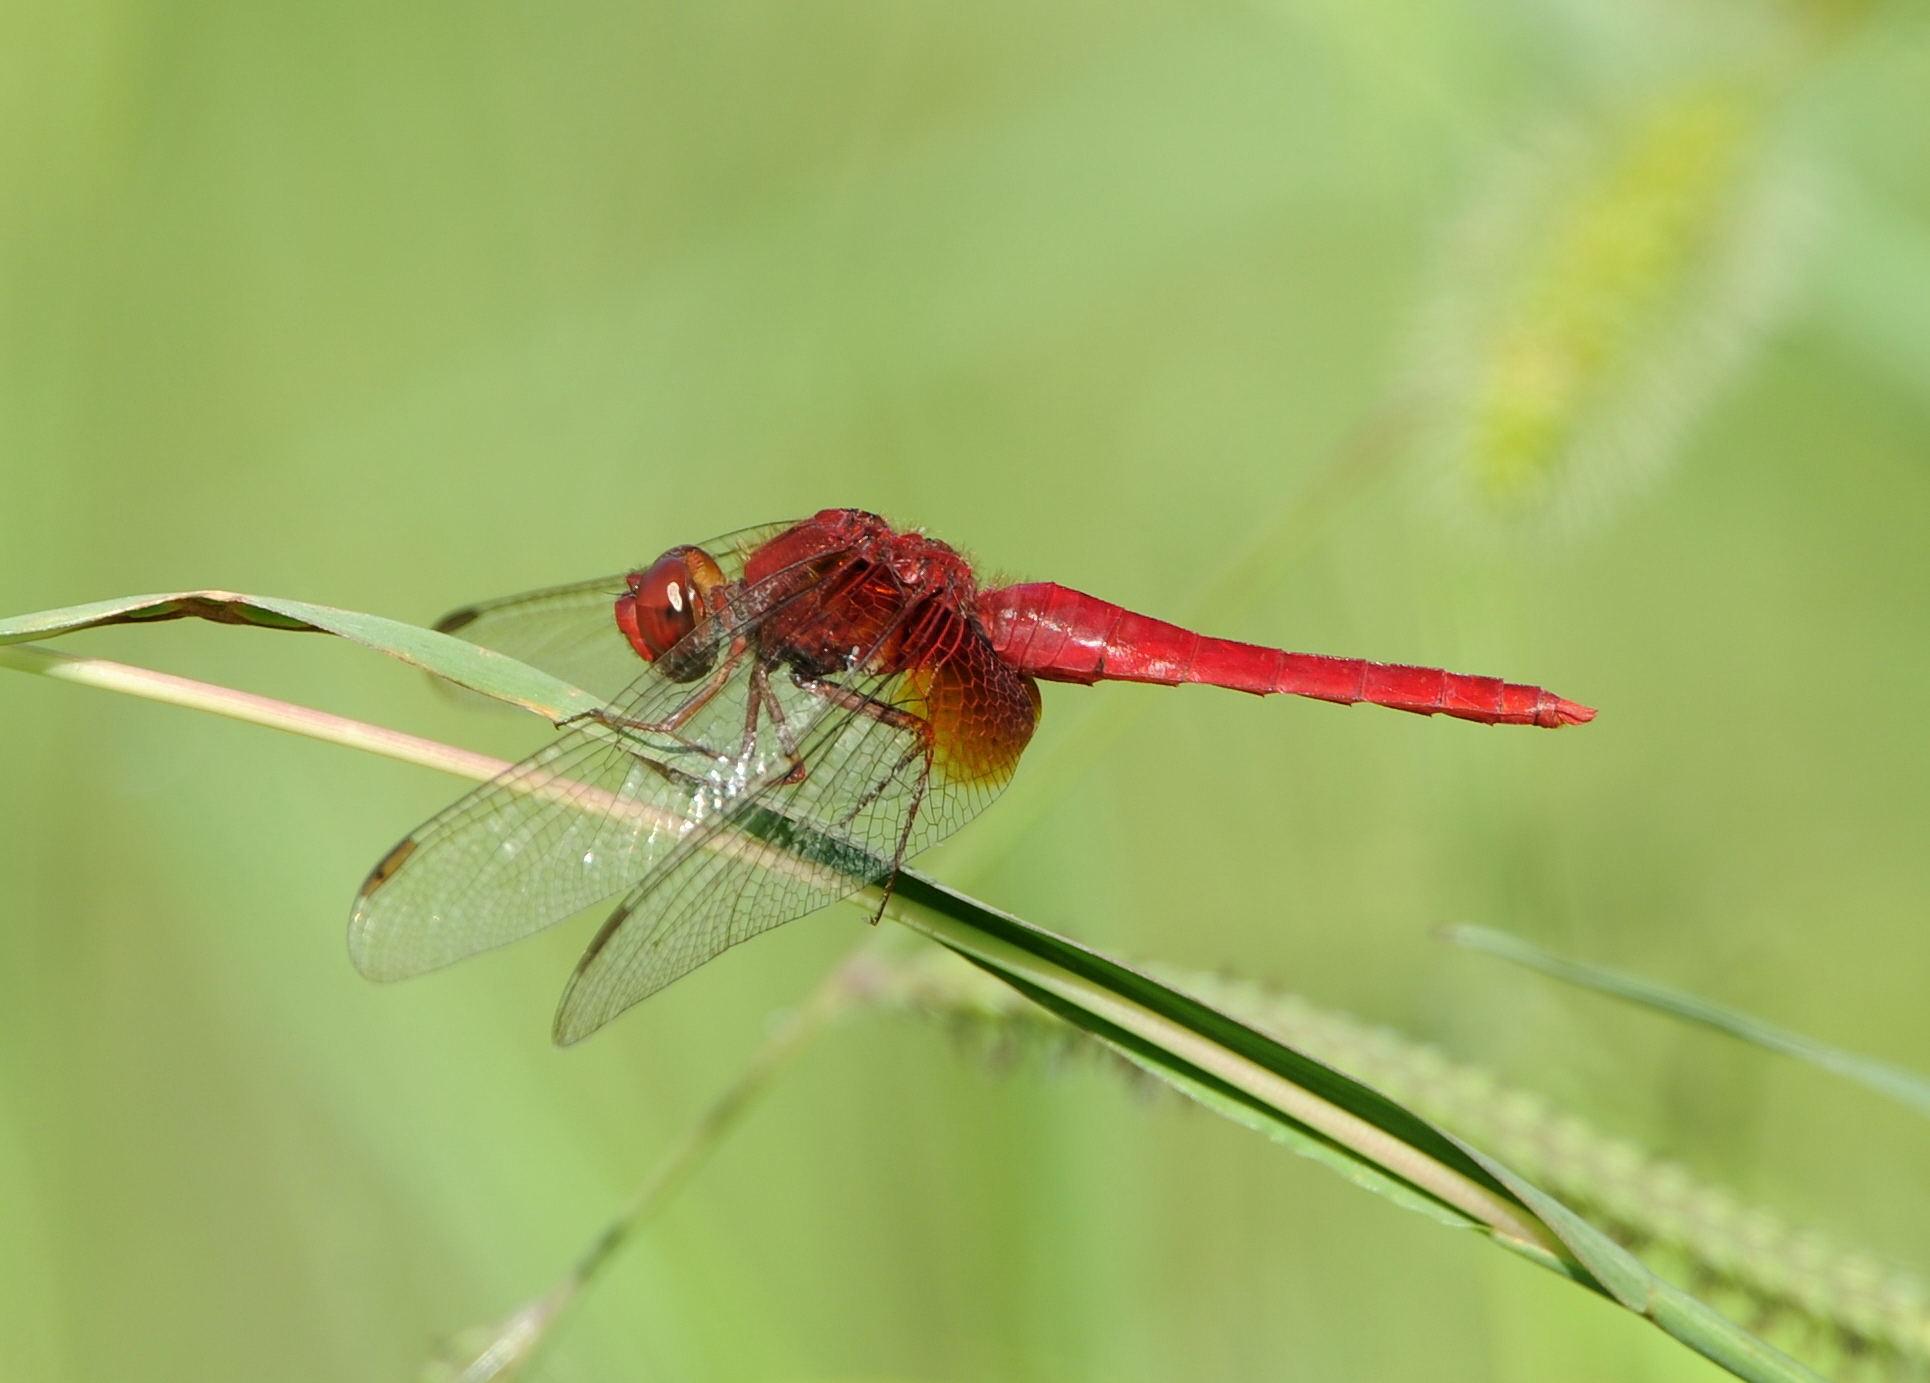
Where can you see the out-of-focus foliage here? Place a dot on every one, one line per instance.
(397, 307)
(1605, 282)
(1837, 1308)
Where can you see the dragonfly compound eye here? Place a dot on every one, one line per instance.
(665, 602)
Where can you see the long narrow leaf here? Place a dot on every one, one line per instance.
(1227, 1065)
(1904, 1086)
(1240, 1071)
(457, 660)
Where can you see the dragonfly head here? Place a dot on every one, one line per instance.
(665, 602)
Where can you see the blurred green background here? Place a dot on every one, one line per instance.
(1459, 334)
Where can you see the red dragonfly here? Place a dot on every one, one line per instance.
(832, 681)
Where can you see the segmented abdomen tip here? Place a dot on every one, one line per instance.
(1572, 713)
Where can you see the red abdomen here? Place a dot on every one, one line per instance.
(1062, 635)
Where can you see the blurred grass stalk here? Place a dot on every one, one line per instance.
(502, 1351)
(1602, 287)
(1904, 1086)
(1832, 1301)
(1433, 1180)
(1232, 1068)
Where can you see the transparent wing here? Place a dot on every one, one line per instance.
(577, 822)
(595, 810)
(872, 795)
(569, 631)
(720, 808)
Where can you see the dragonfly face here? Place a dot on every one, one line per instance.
(665, 603)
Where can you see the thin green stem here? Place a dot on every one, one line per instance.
(1449, 1186)
(170, 690)
(1229, 1067)
(1899, 1083)
(521, 1334)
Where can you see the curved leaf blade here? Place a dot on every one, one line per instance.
(1227, 1065)
(456, 660)
(1899, 1083)
(1235, 1068)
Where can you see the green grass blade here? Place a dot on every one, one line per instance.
(1900, 1084)
(1239, 1071)
(1226, 1064)
(457, 660)
(1830, 1304)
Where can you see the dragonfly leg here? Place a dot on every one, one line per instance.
(919, 752)
(761, 694)
(895, 716)
(904, 836)
(761, 701)
(671, 724)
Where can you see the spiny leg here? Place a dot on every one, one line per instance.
(761, 701)
(921, 749)
(627, 728)
(787, 742)
(904, 836)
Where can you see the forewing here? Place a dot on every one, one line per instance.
(579, 821)
(584, 818)
(707, 825)
(567, 631)
(570, 631)
(871, 796)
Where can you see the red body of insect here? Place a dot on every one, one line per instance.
(834, 682)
